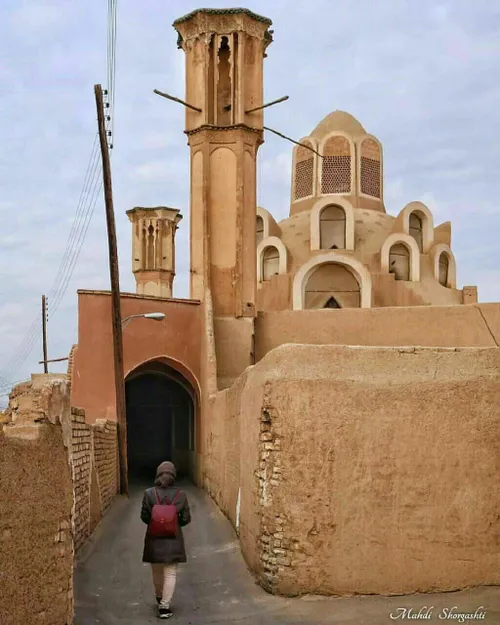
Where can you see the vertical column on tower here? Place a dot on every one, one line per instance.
(224, 79)
(225, 50)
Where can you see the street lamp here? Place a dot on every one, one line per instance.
(156, 316)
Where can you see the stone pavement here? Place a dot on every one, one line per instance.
(113, 586)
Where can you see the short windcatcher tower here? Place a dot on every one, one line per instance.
(153, 249)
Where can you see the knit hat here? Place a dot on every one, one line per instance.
(166, 468)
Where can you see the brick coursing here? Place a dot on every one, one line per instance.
(93, 446)
(275, 547)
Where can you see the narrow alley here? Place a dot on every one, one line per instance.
(113, 586)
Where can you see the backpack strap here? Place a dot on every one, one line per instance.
(156, 495)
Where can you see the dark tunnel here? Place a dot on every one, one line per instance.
(160, 421)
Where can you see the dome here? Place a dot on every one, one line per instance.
(338, 120)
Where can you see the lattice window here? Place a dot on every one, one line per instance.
(370, 168)
(336, 166)
(304, 172)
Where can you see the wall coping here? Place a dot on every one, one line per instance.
(138, 296)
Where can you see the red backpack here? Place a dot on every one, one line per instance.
(164, 520)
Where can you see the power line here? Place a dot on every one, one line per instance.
(91, 188)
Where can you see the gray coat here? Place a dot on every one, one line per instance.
(159, 550)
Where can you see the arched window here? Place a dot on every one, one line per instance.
(304, 171)
(332, 228)
(270, 262)
(332, 285)
(336, 166)
(332, 303)
(416, 230)
(259, 229)
(444, 266)
(370, 168)
(399, 261)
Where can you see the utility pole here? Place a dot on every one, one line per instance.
(44, 329)
(115, 296)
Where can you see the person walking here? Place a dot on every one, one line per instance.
(165, 510)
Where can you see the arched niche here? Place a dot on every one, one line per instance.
(336, 165)
(315, 221)
(271, 258)
(417, 221)
(259, 229)
(332, 285)
(444, 265)
(358, 270)
(332, 228)
(399, 261)
(370, 167)
(303, 169)
(394, 243)
(268, 223)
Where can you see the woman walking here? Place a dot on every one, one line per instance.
(165, 510)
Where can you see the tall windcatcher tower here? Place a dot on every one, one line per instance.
(225, 50)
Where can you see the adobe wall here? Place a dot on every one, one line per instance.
(58, 476)
(36, 547)
(428, 326)
(363, 469)
(177, 338)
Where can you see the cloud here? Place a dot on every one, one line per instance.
(419, 76)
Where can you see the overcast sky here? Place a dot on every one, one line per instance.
(420, 75)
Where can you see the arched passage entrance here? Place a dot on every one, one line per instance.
(161, 420)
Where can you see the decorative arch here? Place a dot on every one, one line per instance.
(271, 242)
(303, 170)
(370, 167)
(304, 273)
(436, 254)
(412, 247)
(315, 221)
(266, 217)
(185, 372)
(172, 408)
(335, 173)
(425, 216)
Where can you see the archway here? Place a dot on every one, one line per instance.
(332, 286)
(161, 407)
(399, 261)
(332, 228)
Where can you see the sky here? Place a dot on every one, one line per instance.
(420, 75)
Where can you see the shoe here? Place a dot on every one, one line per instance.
(165, 612)
(158, 600)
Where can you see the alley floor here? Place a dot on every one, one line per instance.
(113, 586)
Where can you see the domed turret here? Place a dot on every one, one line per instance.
(338, 158)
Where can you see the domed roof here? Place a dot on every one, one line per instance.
(338, 120)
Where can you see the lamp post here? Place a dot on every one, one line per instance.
(156, 316)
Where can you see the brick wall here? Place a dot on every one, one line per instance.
(106, 460)
(81, 461)
(95, 471)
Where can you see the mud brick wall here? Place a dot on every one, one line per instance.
(36, 501)
(105, 447)
(377, 469)
(81, 442)
(95, 471)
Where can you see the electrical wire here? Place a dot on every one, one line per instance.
(83, 215)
